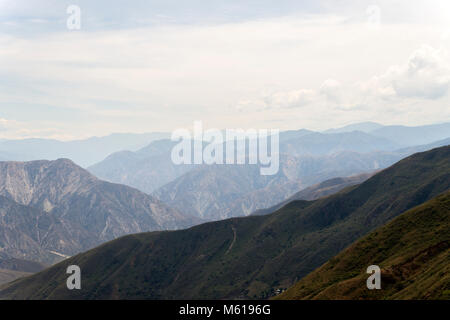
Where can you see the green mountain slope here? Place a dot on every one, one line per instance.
(413, 252)
(245, 257)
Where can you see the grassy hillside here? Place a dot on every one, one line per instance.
(413, 252)
(10, 275)
(246, 257)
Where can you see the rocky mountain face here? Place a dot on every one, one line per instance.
(56, 207)
(251, 257)
(224, 191)
(30, 233)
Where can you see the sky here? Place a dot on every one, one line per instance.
(145, 66)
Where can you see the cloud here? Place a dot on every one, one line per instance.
(425, 75)
(6, 125)
(12, 129)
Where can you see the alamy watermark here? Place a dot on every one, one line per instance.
(373, 17)
(74, 281)
(374, 281)
(230, 146)
(74, 20)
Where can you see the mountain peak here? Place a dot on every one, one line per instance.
(367, 127)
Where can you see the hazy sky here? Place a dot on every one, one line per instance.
(142, 66)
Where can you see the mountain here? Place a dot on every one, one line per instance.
(413, 252)
(151, 167)
(318, 144)
(224, 191)
(56, 206)
(29, 233)
(366, 127)
(21, 265)
(83, 152)
(244, 257)
(219, 192)
(7, 276)
(411, 136)
(11, 269)
(425, 147)
(294, 134)
(319, 190)
(146, 169)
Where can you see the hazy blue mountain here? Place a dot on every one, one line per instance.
(325, 144)
(146, 169)
(413, 136)
(425, 147)
(83, 152)
(294, 134)
(366, 127)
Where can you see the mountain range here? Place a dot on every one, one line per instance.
(219, 192)
(401, 135)
(224, 191)
(83, 152)
(246, 257)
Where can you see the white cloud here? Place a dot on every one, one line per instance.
(12, 129)
(424, 76)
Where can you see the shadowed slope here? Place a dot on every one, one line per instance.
(413, 252)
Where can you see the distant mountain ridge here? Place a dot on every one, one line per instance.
(83, 152)
(224, 191)
(366, 127)
(244, 257)
(410, 136)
